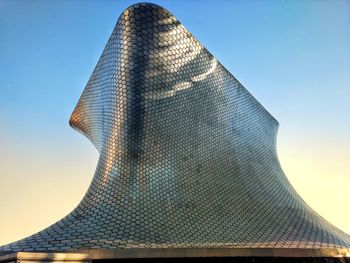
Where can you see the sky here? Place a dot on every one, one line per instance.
(293, 56)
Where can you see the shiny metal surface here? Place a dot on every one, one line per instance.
(92, 255)
(187, 155)
(35, 257)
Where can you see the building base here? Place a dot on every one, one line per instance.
(239, 255)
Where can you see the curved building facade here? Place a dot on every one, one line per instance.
(187, 155)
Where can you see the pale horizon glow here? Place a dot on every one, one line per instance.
(293, 57)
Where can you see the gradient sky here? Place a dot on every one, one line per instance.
(293, 56)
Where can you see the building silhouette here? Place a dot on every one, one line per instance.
(188, 160)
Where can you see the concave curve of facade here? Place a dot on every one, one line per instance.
(187, 155)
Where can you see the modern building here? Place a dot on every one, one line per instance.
(188, 164)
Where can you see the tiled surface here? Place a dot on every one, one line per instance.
(187, 155)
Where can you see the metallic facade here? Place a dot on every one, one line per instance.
(187, 155)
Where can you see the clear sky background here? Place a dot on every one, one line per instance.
(293, 56)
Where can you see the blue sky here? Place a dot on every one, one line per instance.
(293, 56)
